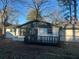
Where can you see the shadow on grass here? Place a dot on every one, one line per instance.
(43, 44)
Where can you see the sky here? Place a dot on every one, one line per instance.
(23, 9)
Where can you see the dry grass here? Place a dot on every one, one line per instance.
(18, 50)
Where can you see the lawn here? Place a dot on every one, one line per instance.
(18, 50)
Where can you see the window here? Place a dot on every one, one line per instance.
(49, 30)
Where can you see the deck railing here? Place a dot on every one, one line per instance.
(44, 39)
(48, 39)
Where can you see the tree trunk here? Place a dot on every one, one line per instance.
(73, 31)
(70, 10)
(4, 31)
(75, 9)
(37, 14)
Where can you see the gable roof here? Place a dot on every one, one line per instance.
(35, 21)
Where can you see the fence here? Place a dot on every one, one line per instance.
(48, 39)
(44, 39)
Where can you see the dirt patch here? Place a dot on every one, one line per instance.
(6, 41)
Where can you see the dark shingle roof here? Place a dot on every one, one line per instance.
(35, 21)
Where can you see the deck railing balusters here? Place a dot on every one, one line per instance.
(48, 39)
(44, 39)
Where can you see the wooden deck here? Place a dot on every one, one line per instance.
(43, 39)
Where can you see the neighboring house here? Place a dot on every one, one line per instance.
(40, 32)
(2, 28)
(70, 32)
(14, 30)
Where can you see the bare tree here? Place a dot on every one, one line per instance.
(56, 17)
(71, 6)
(7, 14)
(4, 15)
(32, 14)
(39, 6)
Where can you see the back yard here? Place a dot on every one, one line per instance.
(19, 50)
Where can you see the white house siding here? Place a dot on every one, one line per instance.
(55, 31)
(43, 32)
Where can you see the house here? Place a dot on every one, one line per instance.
(2, 28)
(70, 32)
(40, 32)
(13, 29)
